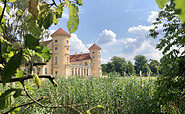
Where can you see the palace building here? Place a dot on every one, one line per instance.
(64, 64)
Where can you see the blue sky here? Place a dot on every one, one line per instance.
(119, 27)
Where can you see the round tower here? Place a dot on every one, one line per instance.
(61, 57)
(95, 54)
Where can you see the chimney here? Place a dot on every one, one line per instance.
(81, 53)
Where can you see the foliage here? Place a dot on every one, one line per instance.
(154, 66)
(130, 70)
(170, 90)
(32, 19)
(178, 7)
(140, 61)
(117, 95)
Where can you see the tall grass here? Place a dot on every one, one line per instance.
(116, 94)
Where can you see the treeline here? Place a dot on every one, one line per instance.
(142, 66)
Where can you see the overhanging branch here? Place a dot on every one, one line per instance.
(30, 77)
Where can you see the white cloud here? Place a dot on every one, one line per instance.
(65, 14)
(153, 16)
(106, 37)
(76, 45)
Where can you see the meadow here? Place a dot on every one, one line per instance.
(131, 95)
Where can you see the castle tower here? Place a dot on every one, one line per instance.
(61, 57)
(95, 54)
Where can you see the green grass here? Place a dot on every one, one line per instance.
(116, 94)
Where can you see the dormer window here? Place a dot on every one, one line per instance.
(56, 41)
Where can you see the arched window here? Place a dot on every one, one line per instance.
(67, 41)
(67, 59)
(56, 60)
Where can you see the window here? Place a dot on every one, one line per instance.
(56, 73)
(93, 52)
(67, 41)
(38, 71)
(33, 70)
(67, 59)
(56, 41)
(93, 64)
(93, 57)
(67, 49)
(85, 63)
(56, 48)
(46, 71)
(56, 60)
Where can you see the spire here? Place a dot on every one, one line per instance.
(94, 46)
(60, 31)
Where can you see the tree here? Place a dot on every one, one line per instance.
(119, 64)
(140, 61)
(170, 85)
(130, 70)
(179, 8)
(41, 16)
(154, 66)
(145, 69)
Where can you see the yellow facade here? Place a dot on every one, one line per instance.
(64, 64)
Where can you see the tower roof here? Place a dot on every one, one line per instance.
(60, 31)
(94, 46)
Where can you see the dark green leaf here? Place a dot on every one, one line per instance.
(79, 2)
(48, 21)
(7, 99)
(11, 66)
(31, 42)
(73, 22)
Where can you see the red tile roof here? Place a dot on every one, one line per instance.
(60, 31)
(94, 46)
(80, 57)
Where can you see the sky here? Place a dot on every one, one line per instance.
(119, 27)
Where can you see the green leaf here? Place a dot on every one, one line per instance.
(43, 52)
(15, 111)
(34, 27)
(31, 42)
(161, 3)
(7, 99)
(1, 66)
(11, 0)
(7, 9)
(55, 20)
(19, 12)
(19, 73)
(79, 2)
(73, 22)
(37, 80)
(48, 21)
(11, 66)
(88, 112)
(100, 106)
(180, 9)
(59, 10)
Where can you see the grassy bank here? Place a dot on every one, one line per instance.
(115, 94)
